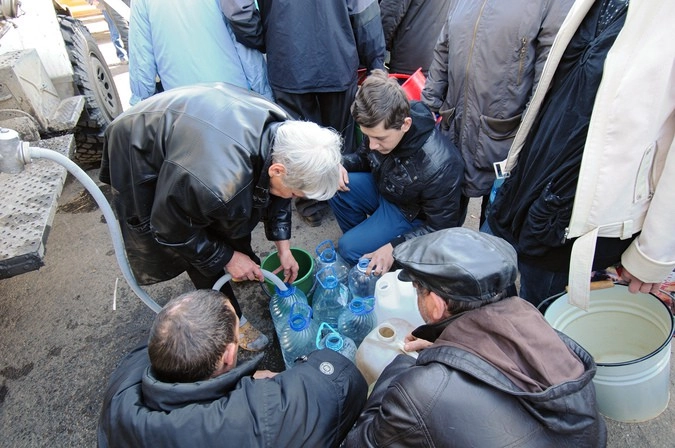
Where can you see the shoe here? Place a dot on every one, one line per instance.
(311, 211)
(124, 61)
(313, 220)
(251, 339)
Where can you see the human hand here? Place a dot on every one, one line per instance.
(413, 344)
(636, 285)
(381, 260)
(344, 179)
(288, 263)
(241, 267)
(262, 374)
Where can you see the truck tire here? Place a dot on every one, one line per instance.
(93, 80)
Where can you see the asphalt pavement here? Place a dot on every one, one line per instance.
(64, 328)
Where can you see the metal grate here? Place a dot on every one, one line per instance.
(28, 203)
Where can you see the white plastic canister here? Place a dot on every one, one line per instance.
(394, 298)
(629, 336)
(381, 346)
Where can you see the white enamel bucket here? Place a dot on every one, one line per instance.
(629, 336)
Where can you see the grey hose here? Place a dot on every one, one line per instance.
(111, 220)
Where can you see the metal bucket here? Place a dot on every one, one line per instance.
(629, 336)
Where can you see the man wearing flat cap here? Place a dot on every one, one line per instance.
(491, 371)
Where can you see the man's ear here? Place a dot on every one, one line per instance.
(229, 358)
(438, 309)
(276, 169)
(407, 122)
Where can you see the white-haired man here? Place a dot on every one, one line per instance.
(195, 169)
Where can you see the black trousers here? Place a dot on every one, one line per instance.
(327, 109)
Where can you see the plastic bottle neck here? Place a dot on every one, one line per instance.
(328, 256)
(285, 293)
(359, 306)
(334, 342)
(298, 322)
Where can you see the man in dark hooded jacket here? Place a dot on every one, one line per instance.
(405, 180)
(492, 372)
(185, 389)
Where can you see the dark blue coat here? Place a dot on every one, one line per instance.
(314, 404)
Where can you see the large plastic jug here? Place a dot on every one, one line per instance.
(358, 319)
(329, 337)
(280, 305)
(394, 298)
(330, 299)
(326, 255)
(381, 346)
(299, 337)
(360, 283)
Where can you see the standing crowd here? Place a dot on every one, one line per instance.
(559, 115)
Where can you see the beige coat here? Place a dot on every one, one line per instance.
(627, 179)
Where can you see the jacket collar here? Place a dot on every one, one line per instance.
(261, 192)
(168, 396)
(422, 126)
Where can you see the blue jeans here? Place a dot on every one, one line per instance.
(536, 284)
(367, 220)
(115, 36)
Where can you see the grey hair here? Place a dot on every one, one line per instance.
(311, 155)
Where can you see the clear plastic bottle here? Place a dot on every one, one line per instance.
(299, 337)
(328, 337)
(280, 305)
(326, 255)
(360, 283)
(358, 319)
(329, 298)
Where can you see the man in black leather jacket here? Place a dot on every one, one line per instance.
(193, 170)
(492, 372)
(185, 389)
(404, 181)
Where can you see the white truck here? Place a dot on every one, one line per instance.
(57, 92)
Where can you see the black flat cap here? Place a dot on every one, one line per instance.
(459, 263)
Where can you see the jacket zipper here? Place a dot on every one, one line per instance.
(523, 51)
(466, 72)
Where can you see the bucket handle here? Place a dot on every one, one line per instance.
(599, 284)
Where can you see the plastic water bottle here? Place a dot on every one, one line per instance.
(358, 319)
(280, 305)
(329, 299)
(328, 337)
(298, 338)
(381, 346)
(360, 283)
(326, 255)
(395, 298)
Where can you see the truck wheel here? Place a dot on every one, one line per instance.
(93, 80)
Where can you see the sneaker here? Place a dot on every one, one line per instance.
(251, 339)
(124, 61)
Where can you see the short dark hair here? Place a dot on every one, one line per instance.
(380, 99)
(189, 336)
(457, 306)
